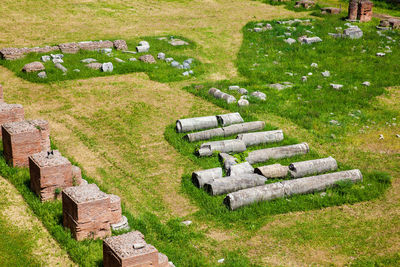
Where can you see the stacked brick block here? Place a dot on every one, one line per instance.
(88, 212)
(131, 250)
(10, 112)
(360, 10)
(24, 138)
(50, 172)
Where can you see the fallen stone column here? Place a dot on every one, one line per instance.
(225, 146)
(229, 119)
(226, 131)
(221, 95)
(266, 154)
(227, 160)
(320, 182)
(239, 169)
(252, 195)
(194, 124)
(234, 183)
(243, 128)
(287, 188)
(199, 178)
(304, 168)
(272, 171)
(257, 138)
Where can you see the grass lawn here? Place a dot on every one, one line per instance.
(115, 127)
(161, 71)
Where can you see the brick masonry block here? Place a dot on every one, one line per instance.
(49, 172)
(24, 138)
(10, 112)
(365, 10)
(86, 211)
(119, 251)
(115, 207)
(76, 175)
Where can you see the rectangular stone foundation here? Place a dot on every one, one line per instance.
(24, 138)
(118, 251)
(86, 212)
(10, 112)
(49, 172)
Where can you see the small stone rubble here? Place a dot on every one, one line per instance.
(147, 59)
(120, 45)
(305, 4)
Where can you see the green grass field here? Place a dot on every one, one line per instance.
(118, 128)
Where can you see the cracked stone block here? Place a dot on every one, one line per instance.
(24, 138)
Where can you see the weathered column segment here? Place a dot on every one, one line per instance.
(263, 155)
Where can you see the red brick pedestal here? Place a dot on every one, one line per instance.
(50, 172)
(131, 250)
(25, 138)
(86, 211)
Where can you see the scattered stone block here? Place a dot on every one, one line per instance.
(61, 67)
(129, 250)
(33, 66)
(161, 56)
(86, 211)
(305, 3)
(10, 112)
(353, 33)
(336, 86)
(132, 59)
(366, 83)
(290, 41)
(380, 54)
(279, 86)
(94, 65)
(259, 95)
(310, 40)
(42, 75)
(107, 67)
(326, 73)
(143, 47)
(57, 60)
(119, 60)
(88, 60)
(243, 102)
(49, 172)
(330, 10)
(120, 45)
(186, 73)
(95, 45)
(314, 65)
(24, 138)
(69, 48)
(147, 59)
(45, 58)
(177, 42)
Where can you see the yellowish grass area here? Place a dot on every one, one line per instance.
(17, 213)
(113, 126)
